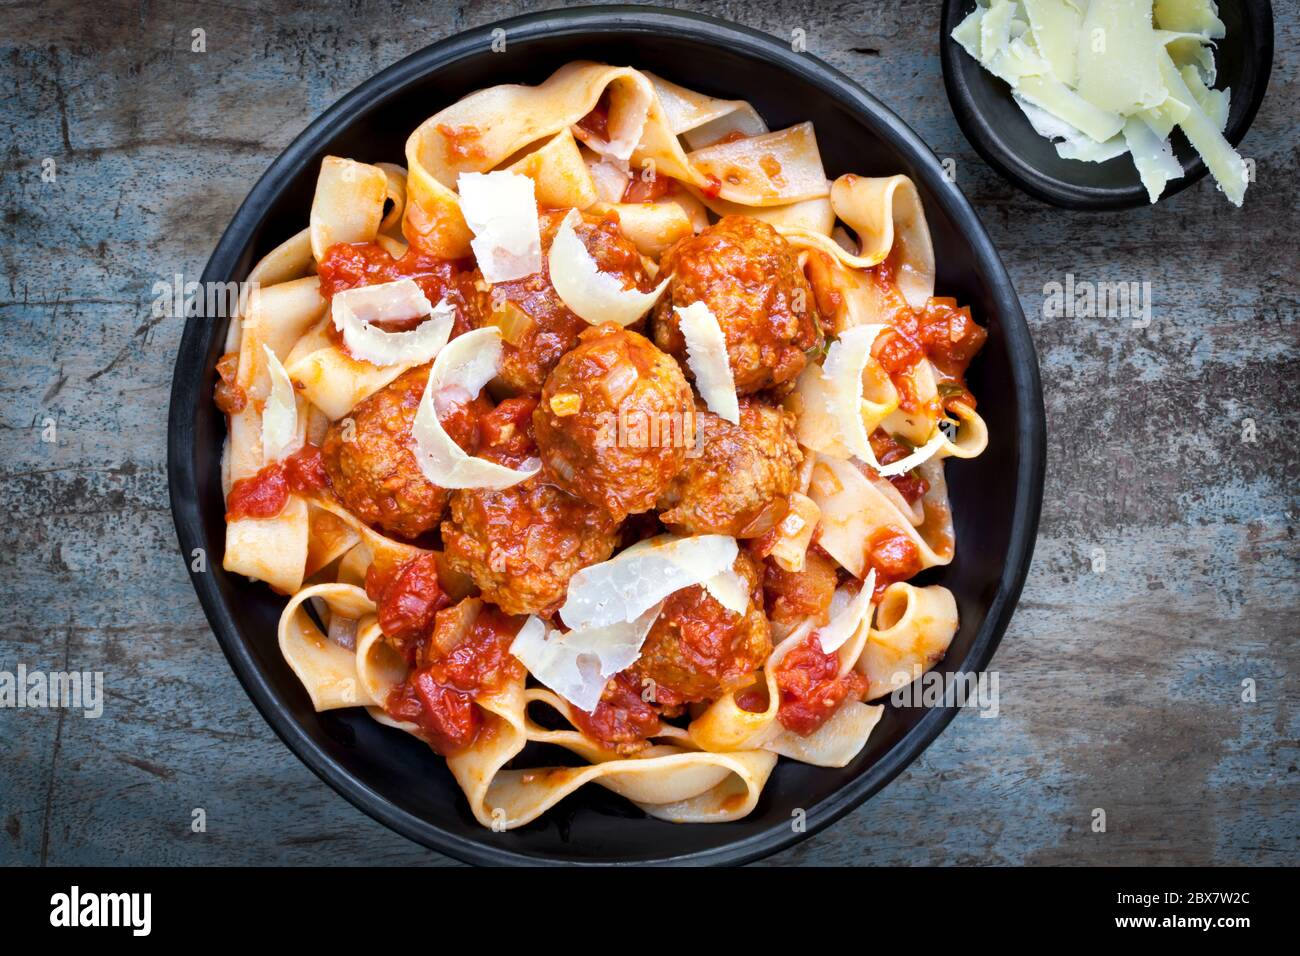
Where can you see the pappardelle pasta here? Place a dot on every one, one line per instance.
(607, 423)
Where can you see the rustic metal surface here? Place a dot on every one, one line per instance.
(1121, 689)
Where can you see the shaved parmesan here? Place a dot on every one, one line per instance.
(461, 369)
(1191, 16)
(1096, 79)
(904, 465)
(1187, 49)
(1073, 143)
(1163, 118)
(706, 354)
(1064, 103)
(842, 371)
(729, 589)
(1116, 69)
(846, 621)
(995, 29)
(589, 293)
(1087, 150)
(969, 31)
(610, 178)
(501, 210)
(578, 664)
(280, 414)
(1224, 163)
(1215, 103)
(624, 587)
(1152, 156)
(355, 312)
(1055, 28)
(1046, 124)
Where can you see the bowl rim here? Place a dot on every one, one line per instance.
(392, 81)
(1060, 192)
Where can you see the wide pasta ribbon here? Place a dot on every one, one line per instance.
(488, 128)
(727, 726)
(887, 216)
(854, 506)
(667, 780)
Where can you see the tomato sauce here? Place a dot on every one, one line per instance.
(771, 166)
(793, 596)
(408, 597)
(951, 340)
(265, 494)
(438, 695)
(945, 334)
(712, 186)
(305, 470)
(228, 395)
(350, 265)
(461, 142)
(622, 720)
(810, 686)
(506, 432)
(889, 450)
(262, 495)
(597, 121)
(640, 189)
(894, 556)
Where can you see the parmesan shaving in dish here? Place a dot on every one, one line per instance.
(280, 416)
(901, 467)
(501, 210)
(577, 664)
(590, 294)
(1116, 61)
(846, 360)
(622, 588)
(356, 311)
(1101, 78)
(849, 617)
(728, 588)
(461, 370)
(706, 354)
(1191, 16)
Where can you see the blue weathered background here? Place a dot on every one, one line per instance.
(1120, 690)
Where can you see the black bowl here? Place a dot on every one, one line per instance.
(996, 498)
(1002, 135)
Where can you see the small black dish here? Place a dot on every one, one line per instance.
(1001, 134)
(996, 498)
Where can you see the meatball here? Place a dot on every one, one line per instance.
(698, 650)
(537, 325)
(613, 421)
(370, 464)
(749, 277)
(522, 544)
(740, 481)
(622, 721)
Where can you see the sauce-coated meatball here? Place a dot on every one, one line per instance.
(749, 277)
(740, 481)
(522, 544)
(543, 328)
(370, 463)
(698, 650)
(613, 421)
